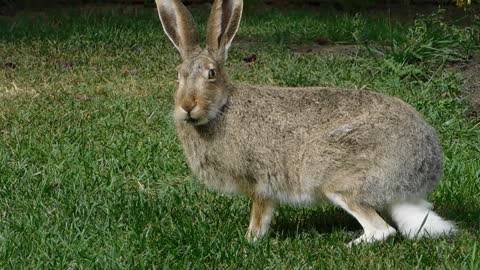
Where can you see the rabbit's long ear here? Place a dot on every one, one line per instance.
(223, 25)
(179, 26)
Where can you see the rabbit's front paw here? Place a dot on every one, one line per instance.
(253, 235)
(261, 216)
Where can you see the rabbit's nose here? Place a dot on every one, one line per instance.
(188, 105)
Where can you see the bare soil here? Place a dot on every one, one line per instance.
(345, 50)
(471, 74)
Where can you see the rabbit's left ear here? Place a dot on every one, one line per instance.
(223, 25)
(179, 26)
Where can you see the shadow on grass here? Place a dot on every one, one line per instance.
(289, 225)
(466, 215)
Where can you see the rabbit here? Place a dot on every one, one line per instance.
(365, 152)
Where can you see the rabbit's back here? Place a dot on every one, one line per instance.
(296, 144)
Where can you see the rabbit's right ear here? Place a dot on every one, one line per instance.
(179, 26)
(223, 25)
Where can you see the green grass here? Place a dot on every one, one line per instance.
(92, 175)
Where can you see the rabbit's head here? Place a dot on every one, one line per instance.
(202, 88)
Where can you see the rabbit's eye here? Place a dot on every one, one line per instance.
(211, 74)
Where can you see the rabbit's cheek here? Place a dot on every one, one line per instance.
(180, 114)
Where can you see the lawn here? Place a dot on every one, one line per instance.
(92, 175)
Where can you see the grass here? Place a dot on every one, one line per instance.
(92, 176)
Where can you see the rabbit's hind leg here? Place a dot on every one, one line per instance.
(374, 227)
(261, 216)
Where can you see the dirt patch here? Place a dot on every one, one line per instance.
(327, 50)
(346, 50)
(313, 48)
(471, 74)
(320, 46)
(245, 42)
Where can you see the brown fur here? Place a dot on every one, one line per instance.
(351, 142)
(258, 208)
(262, 211)
(362, 150)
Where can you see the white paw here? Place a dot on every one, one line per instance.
(252, 236)
(373, 236)
(255, 234)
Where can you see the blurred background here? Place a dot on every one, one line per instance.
(10, 7)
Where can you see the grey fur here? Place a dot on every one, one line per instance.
(364, 145)
(362, 150)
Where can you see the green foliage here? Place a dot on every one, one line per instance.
(432, 39)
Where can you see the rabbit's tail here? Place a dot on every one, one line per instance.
(415, 219)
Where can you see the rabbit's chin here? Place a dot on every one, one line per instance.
(198, 122)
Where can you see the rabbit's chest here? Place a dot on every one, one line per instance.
(215, 167)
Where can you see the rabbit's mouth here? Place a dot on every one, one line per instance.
(197, 122)
(199, 116)
(195, 117)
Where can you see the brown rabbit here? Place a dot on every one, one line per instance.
(363, 151)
